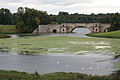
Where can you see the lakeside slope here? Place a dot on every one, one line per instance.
(113, 34)
(14, 75)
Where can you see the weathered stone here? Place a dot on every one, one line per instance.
(69, 27)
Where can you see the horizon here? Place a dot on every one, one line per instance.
(54, 6)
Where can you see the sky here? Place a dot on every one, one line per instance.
(71, 6)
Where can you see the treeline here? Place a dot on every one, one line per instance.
(8, 18)
(27, 19)
(110, 18)
(65, 17)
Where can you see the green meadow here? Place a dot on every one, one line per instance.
(113, 34)
(7, 28)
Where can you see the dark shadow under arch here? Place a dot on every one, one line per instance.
(54, 31)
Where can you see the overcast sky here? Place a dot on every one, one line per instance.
(71, 6)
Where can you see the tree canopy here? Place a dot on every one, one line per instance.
(27, 19)
(5, 16)
(115, 22)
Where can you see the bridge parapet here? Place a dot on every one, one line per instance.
(69, 27)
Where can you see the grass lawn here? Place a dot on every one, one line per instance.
(114, 34)
(7, 29)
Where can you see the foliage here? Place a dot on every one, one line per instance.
(65, 17)
(5, 16)
(20, 26)
(24, 14)
(29, 19)
(115, 22)
(14, 75)
(4, 36)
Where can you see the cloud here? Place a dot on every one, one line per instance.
(71, 6)
(65, 2)
(11, 0)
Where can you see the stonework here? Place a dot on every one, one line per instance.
(69, 27)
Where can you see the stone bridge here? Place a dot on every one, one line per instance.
(69, 27)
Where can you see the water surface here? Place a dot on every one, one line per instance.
(49, 64)
(78, 32)
(94, 64)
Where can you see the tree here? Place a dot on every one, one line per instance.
(20, 26)
(115, 22)
(5, 16)
(63, 13)
(31, 18)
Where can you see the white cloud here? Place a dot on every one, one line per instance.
(71, 6)
(65, 2)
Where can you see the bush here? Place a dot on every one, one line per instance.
(14, 75)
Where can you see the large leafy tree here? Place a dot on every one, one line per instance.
(5, 16)
(30, 19)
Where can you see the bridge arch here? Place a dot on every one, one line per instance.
(54, 31)
(82, 27)
(96, 29)
(69, 27)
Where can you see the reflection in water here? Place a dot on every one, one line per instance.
(49, 64)
(14, 36)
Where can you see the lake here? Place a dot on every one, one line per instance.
(94, 64)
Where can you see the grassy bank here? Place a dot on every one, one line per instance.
(4, 36)
(13, 75)
(7, 29)
(114, 34)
